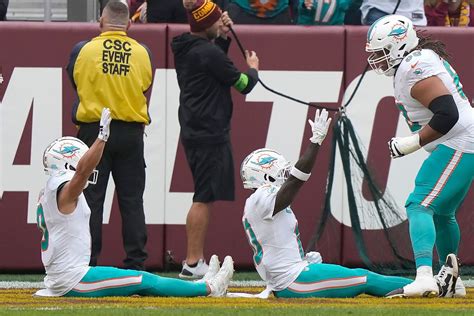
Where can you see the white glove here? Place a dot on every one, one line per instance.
(313, 257)
(104, 127)
(401, 146)
(320, 126)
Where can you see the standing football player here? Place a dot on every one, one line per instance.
(430, 97)
(272, 229)
(63, 217)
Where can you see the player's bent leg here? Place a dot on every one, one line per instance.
(161, 286)
(441, 185)
(110, 281)
(448, 236)
(334, 281)
(422, 234)
(380, 285)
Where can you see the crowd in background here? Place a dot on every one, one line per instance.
(305, 12)
(314, 12)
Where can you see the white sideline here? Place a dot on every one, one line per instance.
(40, 285)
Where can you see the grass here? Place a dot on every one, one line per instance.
(21, 302)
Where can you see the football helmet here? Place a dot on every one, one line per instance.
(264, 166)
(62, 156)
(390, 39)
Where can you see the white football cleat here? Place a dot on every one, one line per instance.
(214, 267)
(460, 289)
(423, 286)
(221, 280)
(196, 272)
(447, 276)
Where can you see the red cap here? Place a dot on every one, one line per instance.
(203, 15)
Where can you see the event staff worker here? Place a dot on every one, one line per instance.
(113, 70)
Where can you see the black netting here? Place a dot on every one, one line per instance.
(396, 258)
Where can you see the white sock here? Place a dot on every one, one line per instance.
(423, 271)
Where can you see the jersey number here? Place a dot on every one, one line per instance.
(455, 77)
(257, 248)
(329, 13)
(42, 226)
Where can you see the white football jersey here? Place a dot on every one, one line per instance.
(278, 253)
(66, 242)
(419, 65)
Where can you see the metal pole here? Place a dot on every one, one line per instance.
(47, 11)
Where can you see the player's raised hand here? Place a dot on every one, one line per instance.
(319, 126)
(401, 146)
(104, 127)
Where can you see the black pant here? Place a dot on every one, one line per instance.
(123, 156)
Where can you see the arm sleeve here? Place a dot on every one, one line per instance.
(150, 56)
(72, 61)
(246, 81)
(445, 113)
(262, 202)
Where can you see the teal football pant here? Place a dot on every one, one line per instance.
(109, 281)
(330, 280)
(441, 185)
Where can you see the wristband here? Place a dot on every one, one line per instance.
(300, 175)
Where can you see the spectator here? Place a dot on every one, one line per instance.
(372, 10)
(172, 11)
(313, 12)
(3, 10)
(166, 11)
(114, 70)
(353, 14)
(449, 12)
(63, 217)
(134, 5)
(205, 77)
(260, 11)
(138, 13)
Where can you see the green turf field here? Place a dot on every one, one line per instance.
(19, 301)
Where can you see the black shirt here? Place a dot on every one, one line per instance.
(205, 76)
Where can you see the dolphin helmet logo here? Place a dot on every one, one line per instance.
(398, 32)
(265, 161)
(67, 150)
